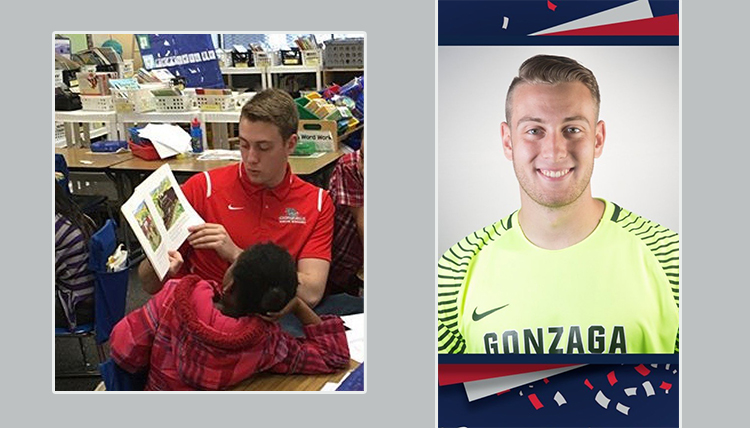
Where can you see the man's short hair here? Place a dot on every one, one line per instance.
(551, 70)
(265, 279)
(273, 106)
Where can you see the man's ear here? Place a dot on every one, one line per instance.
(291, 144)
(507, 144)
(601, 133)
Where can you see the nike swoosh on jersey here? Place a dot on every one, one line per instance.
(476, 317)
(233, 208)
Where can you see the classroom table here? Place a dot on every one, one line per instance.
(296, 382)
(135, 169)
(300, 165)
(84, 160)
(279, 382)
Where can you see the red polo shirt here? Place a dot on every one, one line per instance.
(295, 215)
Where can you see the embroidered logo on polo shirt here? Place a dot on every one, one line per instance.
(292, 216)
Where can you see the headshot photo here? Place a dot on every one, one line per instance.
(558, 196)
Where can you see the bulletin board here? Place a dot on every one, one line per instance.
(192, 56)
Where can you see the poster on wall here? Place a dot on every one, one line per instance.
(192, 56)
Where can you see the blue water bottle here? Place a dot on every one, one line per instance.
(196, 136)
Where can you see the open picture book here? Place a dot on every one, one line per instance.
(159, 215)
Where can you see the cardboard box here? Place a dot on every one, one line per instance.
(322, 132)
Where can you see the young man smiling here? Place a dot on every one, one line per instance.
(257, 200)
(567, 273)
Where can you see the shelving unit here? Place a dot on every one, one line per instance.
(295, 69)
(75, 135)
(230, 72)
(340, 75)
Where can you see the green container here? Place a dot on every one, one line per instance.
(305, 148)
(303, 112)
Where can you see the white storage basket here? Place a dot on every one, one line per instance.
(176, 103)
(134, 100)
(312, 58)
(244, 98)
(217, 102)
(97, 102)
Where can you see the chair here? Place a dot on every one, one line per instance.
(89, 204)
(117, 379)
(110, 297)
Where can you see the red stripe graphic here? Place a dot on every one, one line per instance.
(449, 374)
(668, 25)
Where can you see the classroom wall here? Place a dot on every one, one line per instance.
(129, 45)
(77, 41)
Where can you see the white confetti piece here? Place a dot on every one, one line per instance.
(531, 386)
(631, 391)
(667, 367)
(520, 393)
(622, 408)
(602, 399)
(649, 389)
(654, 365)
(560, 399)
(505, 22)
(674, 371)
(666, 391)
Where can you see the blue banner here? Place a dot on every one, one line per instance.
(192, 56)
(558, 22)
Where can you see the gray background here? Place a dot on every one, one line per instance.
(638, 170)
(401, 228)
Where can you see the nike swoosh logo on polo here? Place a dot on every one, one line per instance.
(233, 208)
(476, 317)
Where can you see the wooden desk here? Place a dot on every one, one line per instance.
(301, 166)
(188, 165)
(308, 165)
(83, 159)
(277, 382)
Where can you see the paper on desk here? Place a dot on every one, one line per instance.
(356, 348)
(355, 336)
(355, 322)
(330, 386)
(220, 154)
(168, 139)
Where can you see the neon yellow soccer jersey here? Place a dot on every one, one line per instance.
(617, 291)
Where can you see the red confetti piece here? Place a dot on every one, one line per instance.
(611, 378)
(587, 383)
(642, 370)
(503, 392)
(546, 380)
(551, 6)
(665, 385)
(535, 401)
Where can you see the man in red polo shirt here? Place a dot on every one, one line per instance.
(255, 201)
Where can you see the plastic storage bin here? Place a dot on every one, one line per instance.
(176, 103)
(344, 53)
(97, 102)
